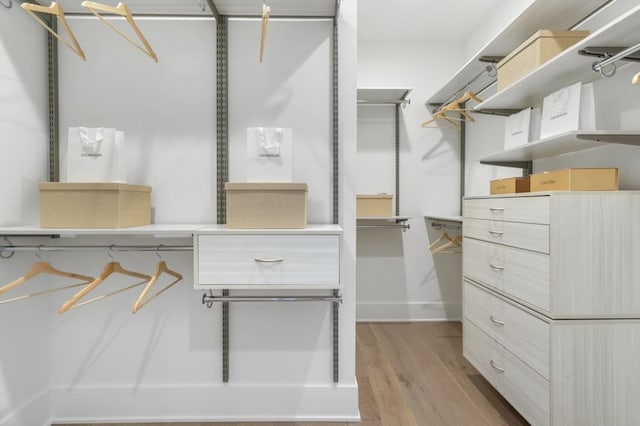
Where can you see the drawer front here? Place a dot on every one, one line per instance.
(524, 388)
(522, 274)
(268, 261)
(516, 209)
(522, 235)
(523, 334)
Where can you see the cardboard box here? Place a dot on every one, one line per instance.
(374, 205)
(604, 179)
(535, 51)
(266, 205)
(510, 185)
(94, 205)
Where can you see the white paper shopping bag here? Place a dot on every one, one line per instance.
(94, 154)
(516, 129)
(568, 109)
(269, 154)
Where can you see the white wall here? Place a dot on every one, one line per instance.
(164, 363)
(398, 278)
(24, 351)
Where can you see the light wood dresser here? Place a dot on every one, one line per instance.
(551, 300)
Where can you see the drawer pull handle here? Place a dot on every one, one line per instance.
(270, 260)
(493, 364)
(492, 232)
(495, 321)
(496, 209)
(496, 267)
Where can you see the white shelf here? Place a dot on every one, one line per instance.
(310, 229)
(384, 219)
(562, 144)
(566, 68)
(382, 95)
(550, 14)
(159, 231)
(444, 218)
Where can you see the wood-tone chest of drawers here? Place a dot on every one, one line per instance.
(551, 303)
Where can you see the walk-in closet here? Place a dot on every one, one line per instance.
(327, 212)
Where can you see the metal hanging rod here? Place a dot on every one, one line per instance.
(403, 102)
(54, 248)
(600, 66)
(490, 69)
(208, 299)
(404, 226)
(438, 225)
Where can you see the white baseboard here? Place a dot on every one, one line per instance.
(202, 403)
(36, 411)
(408, 311)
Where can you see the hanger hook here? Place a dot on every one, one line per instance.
(109, 252)
(158, 251)
(202, 7)
(7, 6)
(37, 252)
(3, 250)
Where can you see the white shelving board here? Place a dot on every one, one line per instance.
(562, 144)
(157, 231)
(568, 67)
(382, 95)
(549, 14)
(444, 218)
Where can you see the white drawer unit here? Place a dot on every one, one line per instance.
(261, 259)
(565, 311)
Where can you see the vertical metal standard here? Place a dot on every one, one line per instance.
(222, 122)
(336, 193)
(54, 127)
(463, 149)
(398, 159)
(222, 157)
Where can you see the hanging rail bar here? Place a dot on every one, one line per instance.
(600, 66)
(208, 299)
(52, 248)
(438, 225)
(489, 69)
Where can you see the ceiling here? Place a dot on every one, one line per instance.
(422, 20)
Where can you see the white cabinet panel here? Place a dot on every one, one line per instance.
(523, 334)
(510, 209)
(523, 387)
(268, 261)
(523, 235)
(519, 273)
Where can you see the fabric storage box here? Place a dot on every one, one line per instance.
(601, 179)
(535, 51)
(510, 185)
(374, 205)
(94, 205)
(259, 205)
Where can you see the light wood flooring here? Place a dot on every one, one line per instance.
(414, 374)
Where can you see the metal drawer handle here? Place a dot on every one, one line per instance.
(492, 232)
(495, 321)
(496, 209)
(493, 364)
(269, 260)
(496, 267)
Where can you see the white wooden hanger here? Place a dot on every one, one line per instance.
(56, 10)
(123, 10)
(266, 11)
(442, 237)
(453, 246)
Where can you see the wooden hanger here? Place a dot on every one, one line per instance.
(636, 79)
(454, 106)
(109, 269)
(266, 11)
(453, 246)
(123, 10)
(161, 268)
(56, 10)
(442, 237)
(42, 268)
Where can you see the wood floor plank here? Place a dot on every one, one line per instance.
(445, 339)
(410, 374)
(387, 389)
